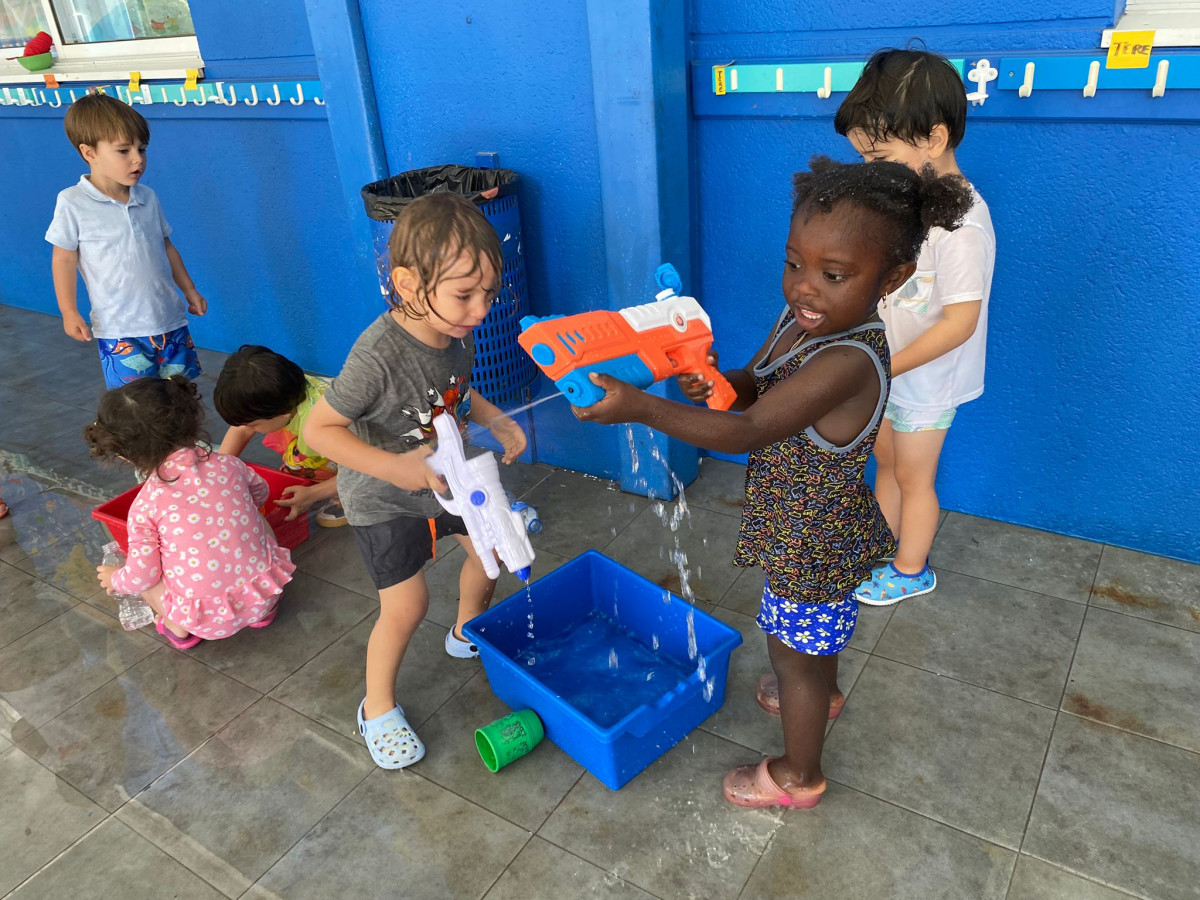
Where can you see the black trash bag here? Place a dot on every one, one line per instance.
(384, 199)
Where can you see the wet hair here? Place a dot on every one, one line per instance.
(905, 94)
(97, 117)
(429, 236)
(147, 420)
(257, 383)
(909, 202)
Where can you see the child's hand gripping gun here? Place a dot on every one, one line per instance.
(479, 498)
(638, 344)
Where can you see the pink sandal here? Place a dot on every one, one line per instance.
(753, 786)
(267, 619)
(767, 695)
(179, 643)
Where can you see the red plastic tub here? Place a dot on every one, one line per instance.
(115, 512)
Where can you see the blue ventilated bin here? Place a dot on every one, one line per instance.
(503, 372)
(638, 729)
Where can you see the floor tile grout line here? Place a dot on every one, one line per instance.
(370, 771)
(196, 750)
(926, 816)
(1091, 879)
(589, 862)
(981, 687)
(76, 702)
(71, 846)
(487, 890)
(936, 566)
(954, 678)
(1136, 734)
(1036, 789)
(1129, 615)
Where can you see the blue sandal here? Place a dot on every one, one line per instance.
(888, 585)
(390, 739)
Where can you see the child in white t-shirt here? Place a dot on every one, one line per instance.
(910, 106)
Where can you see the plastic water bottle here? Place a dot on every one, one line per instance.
(132, 610)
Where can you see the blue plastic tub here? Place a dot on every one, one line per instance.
(641, 718)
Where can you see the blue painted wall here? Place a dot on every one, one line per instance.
(255, 203)
(1087, 424)
(513, 76)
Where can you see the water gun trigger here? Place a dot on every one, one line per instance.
(723, 395)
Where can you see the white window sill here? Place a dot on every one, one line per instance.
(106, 69)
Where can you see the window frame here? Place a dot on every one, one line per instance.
(153, 58)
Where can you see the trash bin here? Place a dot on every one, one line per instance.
(503, 371)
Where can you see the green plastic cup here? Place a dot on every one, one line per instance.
(508, 738)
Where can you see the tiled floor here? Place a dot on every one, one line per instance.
(1029, 731)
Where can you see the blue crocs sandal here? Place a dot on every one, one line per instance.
(392, 742)
(888, 585)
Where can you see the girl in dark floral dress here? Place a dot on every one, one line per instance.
(808, 409)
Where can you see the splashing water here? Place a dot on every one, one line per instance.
(691, 623)
(613, 661)
(681, 563)
(634, 464)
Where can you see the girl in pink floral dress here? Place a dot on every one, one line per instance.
(199, 552)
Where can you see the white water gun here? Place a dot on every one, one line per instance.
(479, 498)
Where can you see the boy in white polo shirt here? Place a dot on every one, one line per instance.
(110, 229)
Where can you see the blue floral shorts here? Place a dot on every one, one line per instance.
(820, 629)
(157, 356)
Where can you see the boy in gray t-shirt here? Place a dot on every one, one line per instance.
(411, 364)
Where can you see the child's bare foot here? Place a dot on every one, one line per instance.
(767, 695)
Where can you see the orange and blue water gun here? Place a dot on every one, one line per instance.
(638, 344)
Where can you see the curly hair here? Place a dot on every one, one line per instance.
(911, 202)
(429, 236)
(905, 94)
(145, 421)
(257, 383)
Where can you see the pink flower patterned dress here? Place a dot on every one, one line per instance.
(195, 526)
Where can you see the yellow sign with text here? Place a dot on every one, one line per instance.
(1129, 50)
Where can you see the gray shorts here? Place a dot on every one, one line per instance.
(395, 551)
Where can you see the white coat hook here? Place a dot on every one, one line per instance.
(276, 101)
(72, 93)
(203, 98)
(1160, 78)
(183, 100)
(299, 98)
(254, 94)
(827, 88)
(32, 101)
(1089, 89)
(319, 101)
(981, 73)
(58, 97)
(232, 101)
(162, 93)
(1026, 87)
